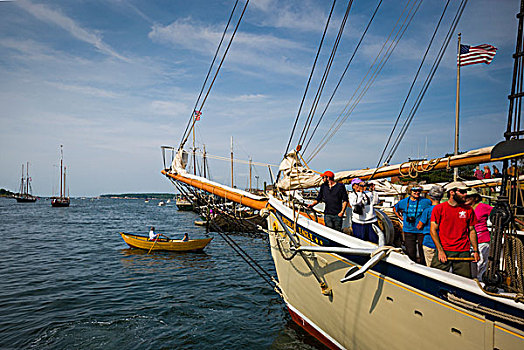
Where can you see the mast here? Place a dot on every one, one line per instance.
(232, 184)
(194, 149)
(61, 165)
(250, 187)
(457, 108)
(27, 179)
(22, 181)
(204, 161)
(64, 180)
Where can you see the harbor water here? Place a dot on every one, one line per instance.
(68, 281)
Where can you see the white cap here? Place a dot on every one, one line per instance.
(459, 185)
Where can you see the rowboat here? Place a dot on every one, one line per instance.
(172, 245)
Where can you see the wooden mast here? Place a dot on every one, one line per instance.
(22, 181)
(204, 162)
(250, 187)
(64, 181)
(194, 149)
(232, 182)
(27, 179)
(61, 164)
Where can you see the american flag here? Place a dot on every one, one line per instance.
(197, 114)
(476, 54)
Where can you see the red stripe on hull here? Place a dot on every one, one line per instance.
(312, 330)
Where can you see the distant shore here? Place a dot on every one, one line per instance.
(139, 196)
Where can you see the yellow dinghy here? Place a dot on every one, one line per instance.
(162, 244)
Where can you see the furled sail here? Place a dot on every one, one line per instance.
(178, 166)
(294, 175)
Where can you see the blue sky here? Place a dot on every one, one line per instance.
(114, 80)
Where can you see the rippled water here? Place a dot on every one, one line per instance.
(68, 280)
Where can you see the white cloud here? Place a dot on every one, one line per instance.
(46, 14)
(88, 90)
(268, 52)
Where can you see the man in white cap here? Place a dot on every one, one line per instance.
(453, 231)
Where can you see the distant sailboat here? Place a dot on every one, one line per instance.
(61, 201)
(24, 195)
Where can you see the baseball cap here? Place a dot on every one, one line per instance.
(473, 192)
(356, 181)
(328, 173)
(459, 185)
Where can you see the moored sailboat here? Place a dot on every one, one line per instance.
(62, 200)
(25, 193)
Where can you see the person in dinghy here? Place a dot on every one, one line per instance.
(155, 236)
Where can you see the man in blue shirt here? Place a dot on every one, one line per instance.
(335, 197)
(409, 211)
(435, 194)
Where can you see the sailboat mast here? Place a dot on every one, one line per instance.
(232, 185)
(22, 181)
(250, 187)
(204, 161)
(194, 149)
(64, 180)
(27, 179)
(457, 108)
(61, 165)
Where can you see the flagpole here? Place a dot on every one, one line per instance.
(457, 108)
(232, 182)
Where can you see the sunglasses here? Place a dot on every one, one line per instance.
(417, 190)
(462, 191)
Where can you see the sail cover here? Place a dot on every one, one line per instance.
(178, 166)
(294, 175)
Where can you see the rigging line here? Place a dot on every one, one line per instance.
(365, 76)
(218, 70)
(434, 67)
(310, 77)
(413, 83)
(342, 77)
(432, 72)
(428, 80)
(210, 69)
(323, 81)
(375, 74)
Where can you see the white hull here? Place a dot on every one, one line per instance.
(397, 305)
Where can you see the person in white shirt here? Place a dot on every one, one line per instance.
(152, 234)
(363, 217)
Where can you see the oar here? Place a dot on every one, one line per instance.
(461, 259)
(156, 239)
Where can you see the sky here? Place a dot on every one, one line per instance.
(114, 80)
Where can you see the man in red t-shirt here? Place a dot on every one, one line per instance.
(453, 231)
